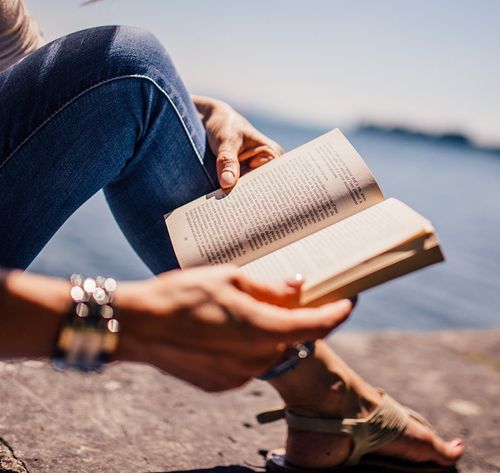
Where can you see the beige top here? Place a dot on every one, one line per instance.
(19, 33)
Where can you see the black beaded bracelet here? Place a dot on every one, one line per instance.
(88, 336)
(294, 355)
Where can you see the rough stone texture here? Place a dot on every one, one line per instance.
(8, 462)
(134, 419)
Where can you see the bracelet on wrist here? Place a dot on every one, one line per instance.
(88, 337)
(293, 356)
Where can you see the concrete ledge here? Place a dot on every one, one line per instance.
(133, 419)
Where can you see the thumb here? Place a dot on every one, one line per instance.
(228, 166)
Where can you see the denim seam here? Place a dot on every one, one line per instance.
(129, 76)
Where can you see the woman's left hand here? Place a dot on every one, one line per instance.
(233, 140)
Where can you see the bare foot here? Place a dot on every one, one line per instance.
(324, 386)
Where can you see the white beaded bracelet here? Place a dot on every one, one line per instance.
(88, 336)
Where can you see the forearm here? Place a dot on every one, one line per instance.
(33, 307)
(31, 310)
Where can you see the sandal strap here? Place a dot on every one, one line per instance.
(384, 425)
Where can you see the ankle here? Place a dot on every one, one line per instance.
(323, 385)
(315, 387)
(326, 398)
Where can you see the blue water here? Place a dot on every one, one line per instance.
(455, 186)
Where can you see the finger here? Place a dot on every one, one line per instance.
(252, 148)
(328, 298)
(279, 149)
(255, 151)
(254, 138)
(296, 282)
(228, 166)
(302, 324)
(286, 295)
(259, 161)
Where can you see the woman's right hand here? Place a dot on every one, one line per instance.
(213, 327)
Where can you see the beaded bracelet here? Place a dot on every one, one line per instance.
(293, 356)
(88, 336)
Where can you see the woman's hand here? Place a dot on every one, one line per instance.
(233, 140)
(213, 327)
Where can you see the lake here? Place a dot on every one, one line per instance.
(455, 185)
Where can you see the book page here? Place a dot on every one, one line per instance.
(335, 249)
(309, 188)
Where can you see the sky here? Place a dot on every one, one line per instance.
(430, 65)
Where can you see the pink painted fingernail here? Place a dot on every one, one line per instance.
(295, 281)
(457, 443)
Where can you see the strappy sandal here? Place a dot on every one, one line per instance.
(384, 425)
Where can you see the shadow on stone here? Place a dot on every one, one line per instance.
(429, 468)
(217, 469)
(354, 469)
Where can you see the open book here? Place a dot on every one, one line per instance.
(317, 211)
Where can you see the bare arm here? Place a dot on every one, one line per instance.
(210, 326)
(31, 310)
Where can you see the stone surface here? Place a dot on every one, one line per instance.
(8, 462)
(134, 419)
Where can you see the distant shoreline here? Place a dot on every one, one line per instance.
(452, 137)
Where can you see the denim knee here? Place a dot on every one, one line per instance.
(72, 66)
(136, 51)
(108, 52)
(126, 51)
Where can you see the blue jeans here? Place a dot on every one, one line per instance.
(98, 109)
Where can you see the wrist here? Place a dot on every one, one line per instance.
(131, 302)
(206, 105)
(89, 336)
(130, 299)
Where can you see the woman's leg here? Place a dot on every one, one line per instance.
(325, 386)
(101, 108)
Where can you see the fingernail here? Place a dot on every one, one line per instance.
(295, 282)
(457, 443)
(227, 179)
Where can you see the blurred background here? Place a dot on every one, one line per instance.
(414, 86)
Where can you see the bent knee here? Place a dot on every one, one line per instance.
(136, 51)
(110, 51)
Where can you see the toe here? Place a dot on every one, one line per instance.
(448, 453)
